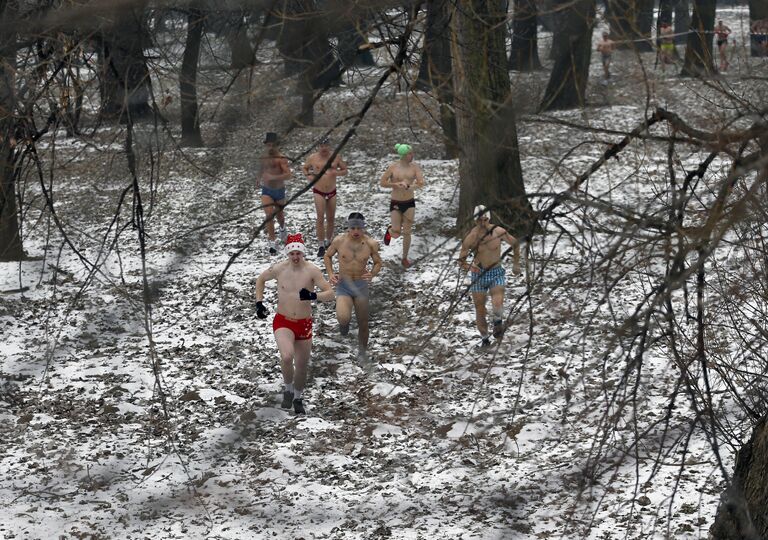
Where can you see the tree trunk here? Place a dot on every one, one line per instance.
(525, 45)
(489, 164)
(743, 510)
(630, 22)
(682, 21)
(11, 248)
(239, 45)
(124, 77)
(435, 67)
(698, 51)
(190, 120)
(666, 10)
(568, 82)
(435, 70)
(758, 10)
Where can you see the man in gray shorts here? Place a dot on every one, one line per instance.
(355, 249)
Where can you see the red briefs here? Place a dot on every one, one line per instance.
(301, 328)
(324, 195)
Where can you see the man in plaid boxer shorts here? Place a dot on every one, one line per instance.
(487, 273)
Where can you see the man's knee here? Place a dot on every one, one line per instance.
(286, 357)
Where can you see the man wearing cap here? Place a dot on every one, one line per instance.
(355, 249)
(273, 172)
(292, 325)
(487, 273)
(403, 176)
(324, 191)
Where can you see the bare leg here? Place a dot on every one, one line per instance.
(408, 219)
(285, 344)
(280, 213)
(320, 217)
(269, 208)
(396, 218)
(480, 314)
(330, 216)
(343, 313)
(497, 303)
(362, 310)
(303, 349)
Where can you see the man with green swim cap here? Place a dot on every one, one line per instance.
(404, 176)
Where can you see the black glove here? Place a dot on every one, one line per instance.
(304, 294)
(261, 310)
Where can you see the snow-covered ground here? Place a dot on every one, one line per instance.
(126, 422)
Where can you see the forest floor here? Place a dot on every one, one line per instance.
(111, 434)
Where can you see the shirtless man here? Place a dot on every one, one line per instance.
(273, 172)
(486, 270)
(296, 281)
(355, 248)
(403, 176)
(667, 45)
(605, 48)
(722, 32)
(324, 191)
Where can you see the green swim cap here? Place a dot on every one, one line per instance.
(403, 149)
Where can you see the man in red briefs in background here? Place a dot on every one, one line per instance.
(296, 281)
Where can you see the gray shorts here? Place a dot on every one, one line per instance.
(357, 288)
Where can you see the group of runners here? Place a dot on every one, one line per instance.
(300, 282)
(666, 47)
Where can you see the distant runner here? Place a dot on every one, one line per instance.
(273, 172)
(487, 273)
(605, 48)
(324, 191)
(292, 325)
(722, 32)
(667, 45)
(403, 176)
(355, 248)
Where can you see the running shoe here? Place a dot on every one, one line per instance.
(272, 250)
(287, 399)
(283, 234)
(484, 343)
(298, 406)
(321, 251)
(387, 236)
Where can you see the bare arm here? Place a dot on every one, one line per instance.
(327, 293)
(386, 179)
(419, 178)
(341, 167)
(466, 246)
(328, 260)
(267, 275)
(375, 257)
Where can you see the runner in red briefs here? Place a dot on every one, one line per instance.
(324, 191)
(296, 281)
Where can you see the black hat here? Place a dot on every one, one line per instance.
(270, 137)
(325, 140)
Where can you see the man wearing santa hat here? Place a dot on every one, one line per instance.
(486, 271)
(292, 325)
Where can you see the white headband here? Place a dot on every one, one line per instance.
(295, 246)
(480, 212)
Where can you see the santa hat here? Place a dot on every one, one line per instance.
(294, 242)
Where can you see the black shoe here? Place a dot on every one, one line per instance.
(287, 399)
(498, 329)
(298, 406)
(272, 251)
(484, 344)
(321, 251)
